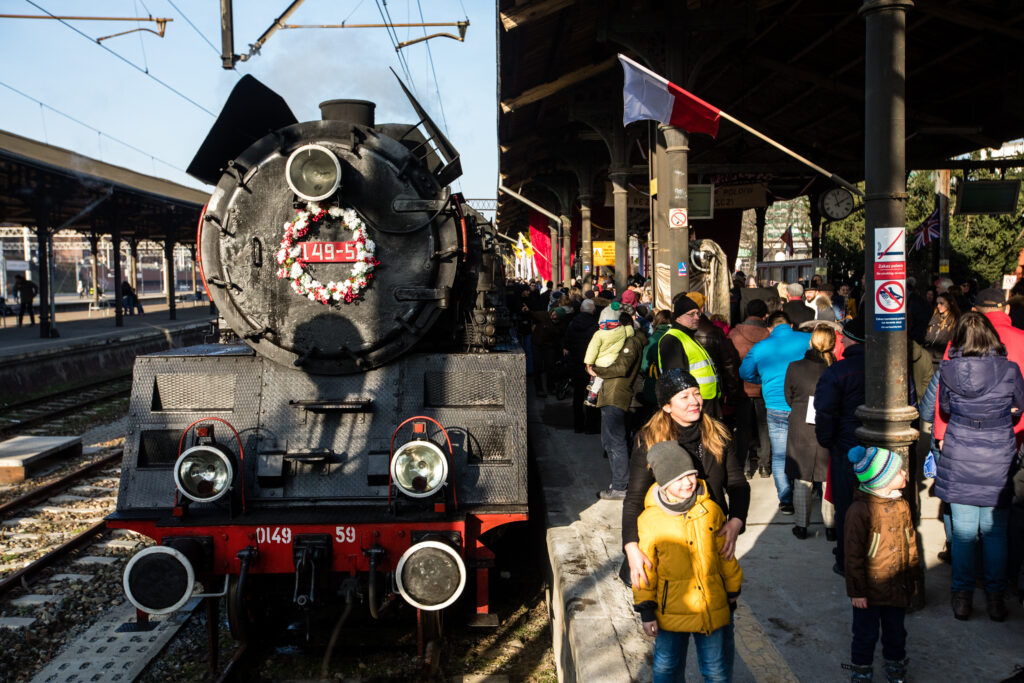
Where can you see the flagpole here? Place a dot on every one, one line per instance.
(807, 162)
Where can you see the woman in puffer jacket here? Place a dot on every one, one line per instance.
(981, 391)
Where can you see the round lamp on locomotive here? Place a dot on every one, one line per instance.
(419, 469)
(313, 172)
(203, 473)
(430, 575)
(160, 579)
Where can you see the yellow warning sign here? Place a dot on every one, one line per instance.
(604, 253)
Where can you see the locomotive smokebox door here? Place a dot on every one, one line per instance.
(329, 246)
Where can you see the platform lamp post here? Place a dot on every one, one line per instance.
(886, 416)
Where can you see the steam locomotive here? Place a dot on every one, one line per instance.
(359, 430)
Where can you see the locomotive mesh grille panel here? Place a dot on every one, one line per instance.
(481, 443)
(194, 392)
(451, 389)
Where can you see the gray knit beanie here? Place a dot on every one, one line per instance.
(669, 461)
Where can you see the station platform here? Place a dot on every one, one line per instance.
(794, 618)
(91, 348)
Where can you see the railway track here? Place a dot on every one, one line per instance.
(37, 414)
(11, 509)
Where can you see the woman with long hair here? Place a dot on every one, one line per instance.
(940, 327)
(680, 418)
(806, 461)
(979, 392)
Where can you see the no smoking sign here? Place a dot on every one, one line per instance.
(677, 218)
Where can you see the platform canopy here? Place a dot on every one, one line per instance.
(84, 194)
(791, 69)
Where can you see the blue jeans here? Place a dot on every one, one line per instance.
(778, 429)
(715, 653)
(613, 439)
(968, 522)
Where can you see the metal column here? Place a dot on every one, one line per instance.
(760, 220)
(566, 250)
(942, 204)
(619, 192)
(115, 237)
(94, 249)
(42, 240)
(170, 276)
(886, 417)
(673, 193)
(586, 249)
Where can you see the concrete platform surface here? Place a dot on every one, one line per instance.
(76, 328)
(20, 455)
(793, 622)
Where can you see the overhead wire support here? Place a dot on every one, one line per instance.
(161, 22)
(460, 25)
(125, 60)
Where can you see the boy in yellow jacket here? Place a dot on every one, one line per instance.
(691, 588)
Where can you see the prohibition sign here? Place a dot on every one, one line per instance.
(889, 296)
(677, 218)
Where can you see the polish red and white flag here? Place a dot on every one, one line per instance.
(646, 95)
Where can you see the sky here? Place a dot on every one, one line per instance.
(127, 118)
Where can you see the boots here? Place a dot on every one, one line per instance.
(859, 673)
(995, 606)
(830, 534)
(962, 604)
(800, 532)
(896, 670)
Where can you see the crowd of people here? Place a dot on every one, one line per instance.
(690, 407)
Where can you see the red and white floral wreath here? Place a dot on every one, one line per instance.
(294, 268)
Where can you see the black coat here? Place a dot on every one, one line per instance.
(577, 335)
(977, 393)
(724, 479)
(836, 398)
(798, 312)
(805, 458)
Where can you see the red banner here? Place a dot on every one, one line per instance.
(540, 237)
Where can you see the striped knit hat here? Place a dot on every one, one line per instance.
(874, 467)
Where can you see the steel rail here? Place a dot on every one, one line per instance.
(20, 577)
(41, 400)
(235, 666)
(43, 417)
(65, 482)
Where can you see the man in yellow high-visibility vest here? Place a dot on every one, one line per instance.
(678, 349)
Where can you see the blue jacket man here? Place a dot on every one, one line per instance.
(836, 398)
(766, 364)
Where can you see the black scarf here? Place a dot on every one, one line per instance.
(690, 438)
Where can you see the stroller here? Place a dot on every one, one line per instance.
(561, 379)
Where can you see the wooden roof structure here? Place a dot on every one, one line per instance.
(793, 69)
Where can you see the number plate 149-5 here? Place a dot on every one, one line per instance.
(328, 252)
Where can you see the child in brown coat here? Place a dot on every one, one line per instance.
(882, 566)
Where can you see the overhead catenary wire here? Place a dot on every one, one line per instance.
(385, 16)
(125, 60)
(437, 87)
(43, 106)
(194, 27)
(142, 43)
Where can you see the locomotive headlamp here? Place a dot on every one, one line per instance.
(203, 473)
(419, 468)
(430, 575)
(313, 172)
